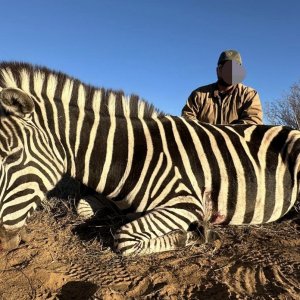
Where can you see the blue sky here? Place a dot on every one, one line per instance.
(159, 49)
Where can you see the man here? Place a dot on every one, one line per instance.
(227, 101)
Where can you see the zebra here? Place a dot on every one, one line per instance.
(175, 173)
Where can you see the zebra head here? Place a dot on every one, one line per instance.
(29, 165)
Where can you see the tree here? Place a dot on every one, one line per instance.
(286, 111)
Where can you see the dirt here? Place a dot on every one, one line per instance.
(67, 258)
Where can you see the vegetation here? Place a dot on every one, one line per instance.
(286, 110)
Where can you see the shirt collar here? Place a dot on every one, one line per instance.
(217, 93)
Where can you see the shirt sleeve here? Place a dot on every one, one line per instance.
(251, 111)
(191, 108)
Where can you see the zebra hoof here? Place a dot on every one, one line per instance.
(211, 236)
(9, 241)
(24, 235)
(193, 237)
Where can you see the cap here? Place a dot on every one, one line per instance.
(230, 55)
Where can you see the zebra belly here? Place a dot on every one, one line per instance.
(257, 203)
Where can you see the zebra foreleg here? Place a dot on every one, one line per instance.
(171, 241)
(95, 205)
(88, 206)
(210, 217)
(160, 230)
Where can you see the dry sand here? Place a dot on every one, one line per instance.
(65, 258)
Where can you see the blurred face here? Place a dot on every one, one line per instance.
(230, 73)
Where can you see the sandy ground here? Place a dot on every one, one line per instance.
(67, 258)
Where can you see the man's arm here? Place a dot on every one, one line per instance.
(191, 108)
(251, 110)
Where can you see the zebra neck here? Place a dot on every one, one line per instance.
(108, 154)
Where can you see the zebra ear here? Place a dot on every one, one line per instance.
(16, 102)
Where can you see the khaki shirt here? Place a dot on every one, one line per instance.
(239, 105)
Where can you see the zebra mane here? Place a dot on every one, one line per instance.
(124, 105)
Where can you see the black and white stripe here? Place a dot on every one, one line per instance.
(159, 166)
